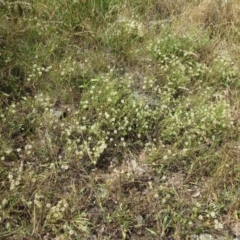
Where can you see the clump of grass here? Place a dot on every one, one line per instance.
(118, 121)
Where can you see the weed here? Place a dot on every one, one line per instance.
(119, 119)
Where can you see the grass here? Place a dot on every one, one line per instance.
(119, 119)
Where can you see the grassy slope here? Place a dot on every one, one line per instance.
(119, 119)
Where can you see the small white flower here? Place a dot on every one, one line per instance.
(164, 178)
(83, 128)
(48, 205)
(217, 225)
(4, 202)
(212, 214)
(52, 165)
(107, 115)
(65, 204)
(8, 151)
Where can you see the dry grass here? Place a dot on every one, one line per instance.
(119, 119)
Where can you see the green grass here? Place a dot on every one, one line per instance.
(119, 119)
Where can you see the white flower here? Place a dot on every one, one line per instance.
(217, 225)
(212, 214)
(8, 151)
(106, 115)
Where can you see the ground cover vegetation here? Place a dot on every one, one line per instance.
(119, 119)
